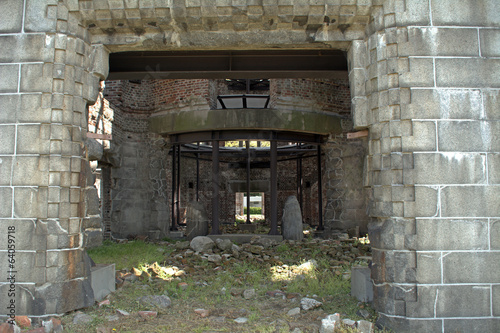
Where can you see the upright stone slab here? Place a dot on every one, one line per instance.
(196, 220)
(291, 223)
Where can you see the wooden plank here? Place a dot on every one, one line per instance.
(360, 134)
(99, 136)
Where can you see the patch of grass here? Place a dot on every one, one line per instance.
(127, 255)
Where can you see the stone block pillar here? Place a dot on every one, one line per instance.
(49, 72)
(425, 82)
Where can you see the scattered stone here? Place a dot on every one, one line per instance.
(224, 244)
(105, 302)
(202, 244)
(292, 295)
(263, 241)
(82, 318)
(196, 220)
(365, 326)
(148, 314)
(122, 313)
(113, 318)
(280, 325)
(57, 325)
(159, 301)
(241, 320)
(182, 285)
(309, 303)
(349, 322)
(294, 312)
(249, 293)
(292, 219)
(363, 314)
(103, 329)
(308, 265)
(328, 324)
(23, 321)
(48, 326)
(297, 330)
(214, 258)
(202, 312)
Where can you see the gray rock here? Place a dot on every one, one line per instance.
(363, 314)
(202, 244)
(297, 330)
(249, 293)
(294, 312)
(113, 318)
(94, 149)
(328, 324)
(214, 258)
(365, 326)
(159, 301)
(309, 303)
(48, 326)
(241, 320)
(122, 313)
(292, 219)
(196, 220)
(82, 318)
(224, 244)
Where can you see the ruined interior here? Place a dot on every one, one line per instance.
(422, 176)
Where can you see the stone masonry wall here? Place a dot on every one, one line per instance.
(49, 72)
(425, 82)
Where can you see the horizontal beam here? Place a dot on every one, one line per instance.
(228, 64)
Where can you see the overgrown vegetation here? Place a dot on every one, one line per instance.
(302, 269)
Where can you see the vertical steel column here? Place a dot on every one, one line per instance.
(248, 180)
(178, 203)
(198, 174)
(320, 192)
(299, 178)
(174, 186)
(215, 187)
(274, 187)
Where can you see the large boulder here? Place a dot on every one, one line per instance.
(202, 244)
(292, 220)
(196, 220)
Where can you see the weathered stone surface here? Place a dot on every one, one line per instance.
(292, 220)
(428, 41)
(495, 234)
(10, 76)
(82, 318)
(480, 267)
(467, 14)
(94, 149)
(490, 42)
(202, 244)
(196, 220)
(224, 244)
(11, 16)
(361, 284)
(472, 325)
(329, 323)
(470, 201)
(474, 72)
(159, 301)
(452, 234)
(307, 304)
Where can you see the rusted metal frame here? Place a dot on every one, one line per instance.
(248, 179)
(274, 188)
(215, 184)
(320, 192)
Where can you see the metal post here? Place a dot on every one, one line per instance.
(320, 192)
(299, 179)
(198, 174)
(178, 203)
(248, 180)
(174, 186)
(274, 188)
(215, 187)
